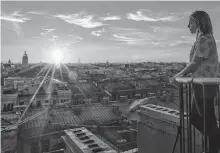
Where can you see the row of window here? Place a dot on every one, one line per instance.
(8, 107)
(64, 100)
(54, 101)
(45, 146)
(47, 101)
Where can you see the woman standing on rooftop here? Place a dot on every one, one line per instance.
(203, 63)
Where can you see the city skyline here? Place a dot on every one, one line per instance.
(101, 31)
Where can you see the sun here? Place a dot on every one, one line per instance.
(57, 56)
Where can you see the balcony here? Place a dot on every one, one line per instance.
(186, 131)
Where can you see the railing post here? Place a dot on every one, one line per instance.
(218, 103)
(204, 107)
(182, 144)
(188, 97)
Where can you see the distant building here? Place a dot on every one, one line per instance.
(6, 66)
(81, 140)
(8, 138)
(52, 92)
(127, 65)
(25, 59)
(9, 61)
(8, 99)
(16, 81)
(127, 90)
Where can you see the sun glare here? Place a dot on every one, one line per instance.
(57, 56)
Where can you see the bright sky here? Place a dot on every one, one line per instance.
(100, 31)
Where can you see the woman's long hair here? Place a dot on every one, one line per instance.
(204, 22)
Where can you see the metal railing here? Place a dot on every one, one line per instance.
(188, 139)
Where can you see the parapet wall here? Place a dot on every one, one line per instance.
(158, 128)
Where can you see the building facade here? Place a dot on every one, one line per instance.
(158, 126)
(81, 140)
(8, 99)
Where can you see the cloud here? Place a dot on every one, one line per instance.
(14, 17)
(47, 31)
(145, 38)
(189, 39)
(171, 43)
(97, 32)
(132, 40)
(80, 38)
(53, 38)
(110, 18)
(69, 45)
(35, 37)
(131, 36)
(120, 30)
(178, 43)
(155, 36)
(183, 14)
(80, 19)
(129, 31)
(166, 29)
(163, 33)
(37, 12)
(147, 15)
(77, 37)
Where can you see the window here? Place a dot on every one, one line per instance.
(61, 100)
(46, 101)
(54, 101)
(67, 100)
(34, 147)
(12, 105)
(21, 103)
(45, 145)
(38, 103)
(8, 107)
(5, 107)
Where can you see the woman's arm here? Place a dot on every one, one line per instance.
(202, 51)
(191, 67)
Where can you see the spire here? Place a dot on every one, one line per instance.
(25, 58)
(9, 61)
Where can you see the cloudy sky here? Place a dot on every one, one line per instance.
(100, 31)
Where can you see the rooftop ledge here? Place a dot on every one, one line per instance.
(202, 81)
